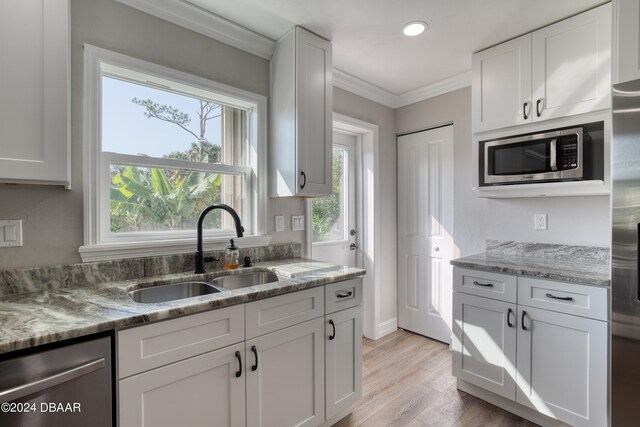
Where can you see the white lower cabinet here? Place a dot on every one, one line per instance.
(285, 377)
(343, 360)
(562, 366)
(175, 373)
(547, 359)
(205, 390)
(484, 344)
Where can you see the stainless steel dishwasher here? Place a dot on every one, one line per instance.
(68, 386)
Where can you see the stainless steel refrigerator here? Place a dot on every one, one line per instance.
(625, 286)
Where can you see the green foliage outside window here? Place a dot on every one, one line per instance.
(328, 222)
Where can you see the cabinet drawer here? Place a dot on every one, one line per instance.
(271, 314)
(341, 295)
(150, 346)
(482, 283)
(570, 298)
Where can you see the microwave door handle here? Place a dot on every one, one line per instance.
(553, 148)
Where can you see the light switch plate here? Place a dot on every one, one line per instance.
(10, 233)
(279, 223)
(297, 222)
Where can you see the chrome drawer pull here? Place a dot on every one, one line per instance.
(559, 298)
(486, 285)
(345, 295)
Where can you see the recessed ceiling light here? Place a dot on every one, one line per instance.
(414, 28)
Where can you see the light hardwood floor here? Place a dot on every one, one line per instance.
(407, 381)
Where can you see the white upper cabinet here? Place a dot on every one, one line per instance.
(34, 83)
(301, 115)
(572, 65)
(502, 85)
(558, 71)
(627, 45)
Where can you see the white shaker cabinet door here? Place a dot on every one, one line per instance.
(572, 65)
(484, 343)
(501, 90)
(34, 92)
(285, 377)
(343, 360)
(206, 390)
(562, 366)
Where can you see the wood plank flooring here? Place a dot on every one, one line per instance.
(407, 381)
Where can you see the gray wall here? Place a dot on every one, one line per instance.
(52, 217)
(360, 108)
(571, 220)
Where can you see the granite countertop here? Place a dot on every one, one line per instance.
(576, 264)
(31, 319)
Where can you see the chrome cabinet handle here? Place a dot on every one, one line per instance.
(51, 381)
(559, 298)
(509, 313)
(538, 102)
(304, 182)
(524, 110)
(486, 285)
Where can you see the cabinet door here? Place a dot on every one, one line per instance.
(343, 360)
(562, 366)
(484, 343)
(572, 65)
(501, 90)
(285, 377)
(627, 17)
(34, 102)
(200, 391)
(314, 109)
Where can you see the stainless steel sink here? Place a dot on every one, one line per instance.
(172, 292)
(237, 281)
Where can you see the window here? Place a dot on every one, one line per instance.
(329, 219)
(160, 146)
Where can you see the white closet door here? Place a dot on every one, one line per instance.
(425, 232)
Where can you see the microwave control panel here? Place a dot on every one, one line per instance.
(568, 152)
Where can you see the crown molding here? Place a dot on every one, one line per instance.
(367, 90)
(364, 89)
(195, 18)
(192, 17)
(434, 89)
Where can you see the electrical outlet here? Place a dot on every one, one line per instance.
(540, 221)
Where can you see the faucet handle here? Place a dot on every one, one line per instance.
(211, 259)
(247, 261)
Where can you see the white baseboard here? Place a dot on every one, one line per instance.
(387, 327)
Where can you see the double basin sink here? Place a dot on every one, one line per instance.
(176, 291)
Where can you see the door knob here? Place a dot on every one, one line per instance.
(353, 246)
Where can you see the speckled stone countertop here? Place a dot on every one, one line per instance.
(31, 319)
(564, 263)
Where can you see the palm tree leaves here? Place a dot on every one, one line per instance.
(156, 198)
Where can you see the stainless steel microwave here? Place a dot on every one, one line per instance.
(550, 156)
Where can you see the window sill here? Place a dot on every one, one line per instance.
(114, 251)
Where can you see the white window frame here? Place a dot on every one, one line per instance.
(99, 242)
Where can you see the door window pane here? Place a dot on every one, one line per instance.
(329, 213)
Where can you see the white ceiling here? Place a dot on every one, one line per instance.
(367, 39)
